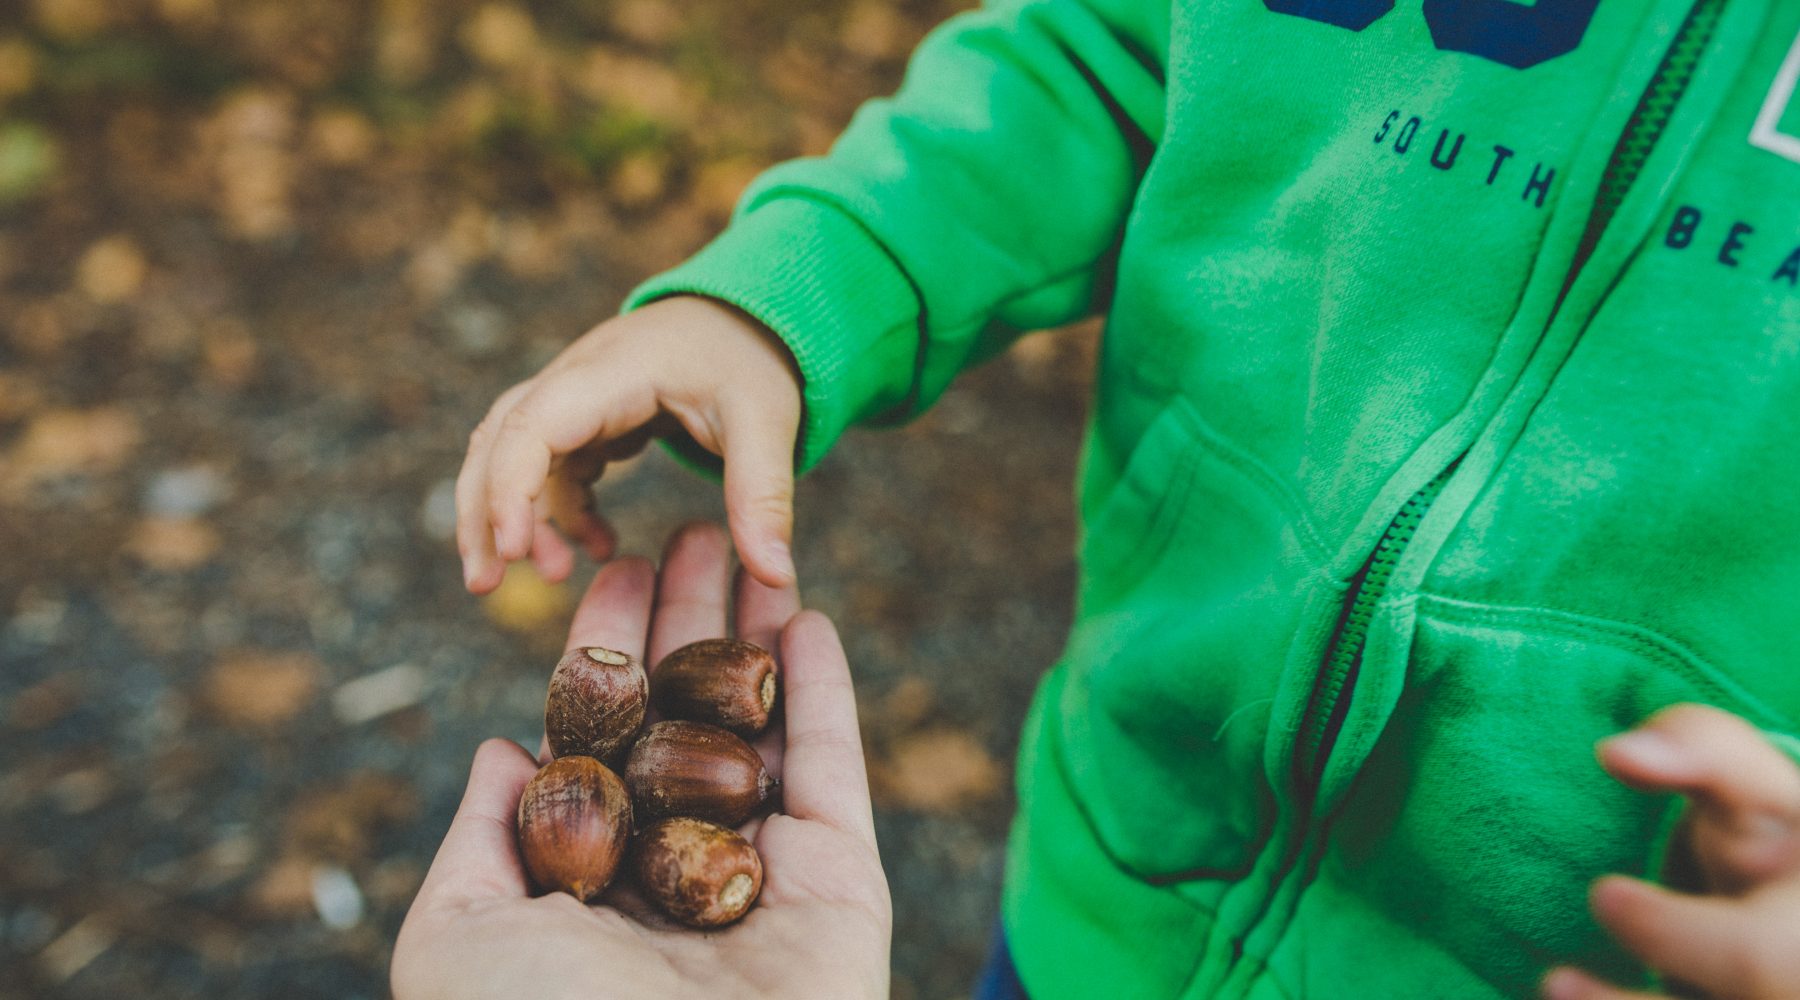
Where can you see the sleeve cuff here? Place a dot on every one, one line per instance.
(828, 289)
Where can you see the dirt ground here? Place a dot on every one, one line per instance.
(263, 264)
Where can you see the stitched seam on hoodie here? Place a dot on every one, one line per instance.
(1636, 639)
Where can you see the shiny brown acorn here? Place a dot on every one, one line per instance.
(727, 682)
(694, 769)
(574, 823)
(596, 703)
(700, 873)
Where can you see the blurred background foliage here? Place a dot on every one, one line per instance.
(263, 264)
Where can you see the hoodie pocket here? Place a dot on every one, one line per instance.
(1480, 816)
(1184, 618)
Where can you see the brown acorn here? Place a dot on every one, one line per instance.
(574, 822)
(693, 769)
(727, 682)
(700, 873)
(596, 703)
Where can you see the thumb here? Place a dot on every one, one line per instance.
(1744, 823)
(757, 441)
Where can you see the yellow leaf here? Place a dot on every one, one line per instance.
(524, 602)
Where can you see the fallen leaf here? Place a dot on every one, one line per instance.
(639, 180)
(18, 67)
(342, 137)
(261, 689)
(500, 34)
(284, 890)
(112, 270)
(253, 132)
(937, 770)
(874, 31)
(67, 442)
(339, 822)
(173, 544)
(647, 22)
(75, 948)
(525, 602)
(73, 20)
(19, 395)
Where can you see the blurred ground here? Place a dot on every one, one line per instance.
(263, 263)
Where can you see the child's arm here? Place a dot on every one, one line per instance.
(1740, 936)
(987, 196)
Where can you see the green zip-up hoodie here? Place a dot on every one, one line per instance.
(1448, 420)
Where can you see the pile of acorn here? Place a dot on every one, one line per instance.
(687, 780)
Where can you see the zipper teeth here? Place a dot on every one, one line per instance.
(1353, 629)
(1648, 119)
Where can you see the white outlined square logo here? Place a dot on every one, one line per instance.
(1767, 133)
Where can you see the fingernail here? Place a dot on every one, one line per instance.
(1648, 749)
(781, 557)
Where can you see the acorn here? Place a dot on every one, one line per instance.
(596, 703)
(727, 682)
(684, 768)
(701, 874)
(574, 823)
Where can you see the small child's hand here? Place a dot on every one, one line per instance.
(720, 375)
(1740, 936)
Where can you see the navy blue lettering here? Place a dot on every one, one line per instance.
(1353, 14)
(1682, 226)
(1505, 31)
(1734, 241)
(1386, 123)
(1501, 153)
(1438, 159)
(1509, 33)
(1539, 182)
(1789, 269)
(1403, 139)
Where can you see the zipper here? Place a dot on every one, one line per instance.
(1329, 704)
(1343, 659)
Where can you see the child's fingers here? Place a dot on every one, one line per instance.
(1720, 945)
(550, 554)
(1745, 826)
(1567, 983)
(758, 447)
(824, 777)
(562, 412)
(482, 567)
(762, 612)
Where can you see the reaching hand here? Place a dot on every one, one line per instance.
(1740, 936)
(822, 926)
(686, 362)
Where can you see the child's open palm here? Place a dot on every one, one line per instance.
(1740, 936)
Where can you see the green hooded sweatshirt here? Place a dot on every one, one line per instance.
(1447, 421)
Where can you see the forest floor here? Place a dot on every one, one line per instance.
(262, 267)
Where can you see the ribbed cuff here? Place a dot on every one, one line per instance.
(842, 305)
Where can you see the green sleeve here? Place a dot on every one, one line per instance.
(985, 197)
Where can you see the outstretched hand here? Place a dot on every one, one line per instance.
(685, 364)
(1739, 936)
(823, 924)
